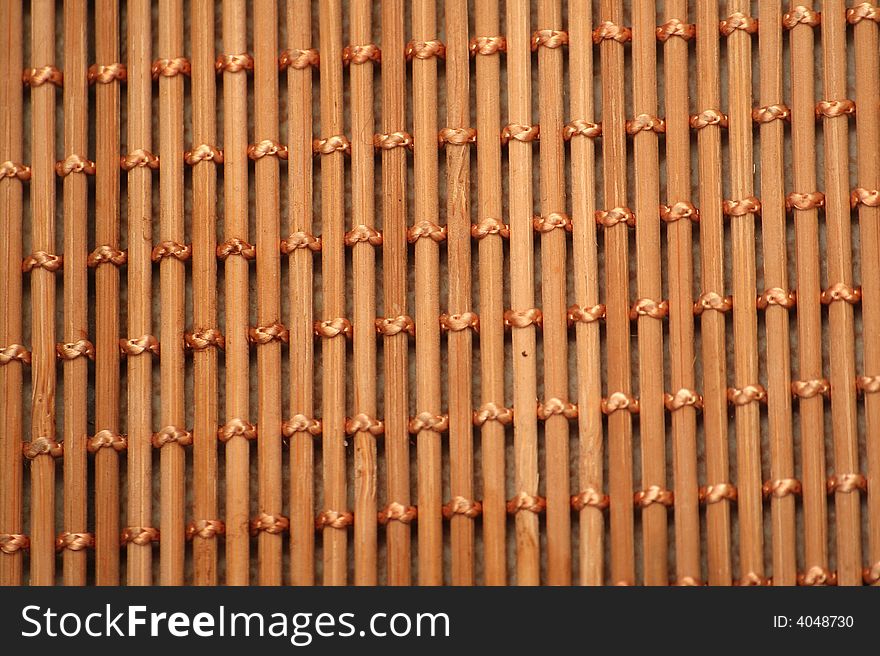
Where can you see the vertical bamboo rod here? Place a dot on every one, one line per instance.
(460, 338)
(679, 236)
(773, 225)
(427, 270)
(867, 75)
(364, 295)
(394, 271)
(649, 289)
(76, 290)
(590, 498)
(617, 295)
(302, 352)
(333, 277)
(235, 232)
(267, 183)
(522, 294)
(842, 354)
(712, 303)
(202, 340)
(806, 221)
(745, 322)
(491, 295)
(140, 243)
(172, 276)
(43, 358)
(553, 292)
(11, 408)
(107, 108)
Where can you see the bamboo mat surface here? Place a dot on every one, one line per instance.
(442, 292)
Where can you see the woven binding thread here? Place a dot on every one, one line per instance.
(139, 535)
(460, 506)
(74, 541)
(105, 74)
(487, 45)
(675, 27)
(334, 519)
(81, 348)
(397, 512)
(298, 58)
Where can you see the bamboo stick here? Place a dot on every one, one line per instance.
(489, 229)
(773, 222)
(302, 353)
(683, 398)
(747, 389)
(11, 408)
(582, 131)
(847, 504)
(335, 518)
(617, 292)
(267, 182)
(172, 275)
(809, 320)
(548, 40)
(76, 346)
(42, 447)
(396, 323)
(649, 288)
(203, 340)
(238, 428)
(363, 292)
(712, 303)
(140, 243)
(867, 76)
(424, 231)
(460, 317)
(107, 106)
(526, 503)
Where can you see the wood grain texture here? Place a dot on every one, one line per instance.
(681, 278)
(236, 292)
(809, 313)
(777, 323)
(867, 76)
(712, 323)
(11, 331)
(42, 280)
(394, 291)
(616, 239)
(427, 292)
(554, 252)
(76, 288)
(364, 300)
(744, 288)
(333, 277)
(302, 353)
(841, 339)
(491, 299)
(460, 342)
(140, 244)
(204, 285)
(649, 286)
(268, 277)
(522, 291)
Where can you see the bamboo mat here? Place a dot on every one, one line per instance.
(489, 292)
